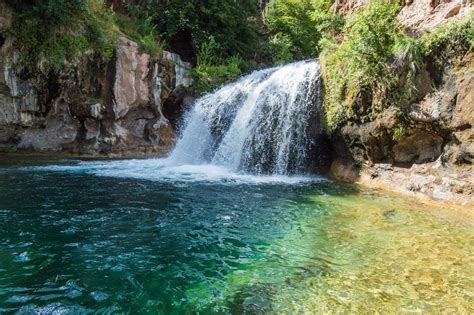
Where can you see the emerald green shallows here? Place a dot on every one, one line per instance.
(75, 242)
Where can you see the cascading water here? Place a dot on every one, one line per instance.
(259, 124)
(266, 123)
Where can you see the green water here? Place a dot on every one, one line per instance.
(85, 237)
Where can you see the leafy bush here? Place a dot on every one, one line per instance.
(298, 26)
(375, 65)
(357, 72)
(227, 21)
(52, 33)
(140, 28)
(281, 49)
(457, 35)
(407, 60)
(213, 70)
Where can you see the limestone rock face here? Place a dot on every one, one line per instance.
(428, 151)
(131, 88)
(421, 146)
(18, 96)
(94, 107)
(419, 15)
(348, 6)
(463, 113)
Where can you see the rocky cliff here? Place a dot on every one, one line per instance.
(429, 150)
(92, 107)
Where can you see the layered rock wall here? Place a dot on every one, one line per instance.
(429, 150)
(94, 107)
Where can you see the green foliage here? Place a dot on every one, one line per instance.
(227, 21)
(281, 49)
(52, 33)
(457, 35)
(140, 28)
(213, 70)
(406, 61)
(358, 73)
(399, 133)
(9, 149)
(375, 65)
(298, 26)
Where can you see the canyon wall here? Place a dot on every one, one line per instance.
(93, 107)
(432, 152)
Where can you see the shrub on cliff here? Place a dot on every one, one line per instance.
(446, 45)
(52, 33)
(356, 70)
(213, 69)
(374, 64)
(140, 28)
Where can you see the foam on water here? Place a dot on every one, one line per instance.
(165, 170)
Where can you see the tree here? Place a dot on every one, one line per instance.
(229, 22)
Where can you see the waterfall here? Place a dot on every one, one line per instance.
(259, 124)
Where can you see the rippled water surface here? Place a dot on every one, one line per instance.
(138, 236)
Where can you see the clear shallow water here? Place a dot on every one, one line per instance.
(140, 236)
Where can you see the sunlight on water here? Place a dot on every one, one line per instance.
(368, 253)
(389, 257)
(110, 236)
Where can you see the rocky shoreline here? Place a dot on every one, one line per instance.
(428, 150)
(434, 156)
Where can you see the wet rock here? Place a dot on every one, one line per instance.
(173, 79)
(6, 14)
(59, 128)
(181, 69)
(370, 141)
(92, 127)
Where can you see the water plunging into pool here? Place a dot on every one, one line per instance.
(228, 223)
(258, 124)
(255, 130)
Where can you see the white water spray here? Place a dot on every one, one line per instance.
(258, 124)
(256, 130)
